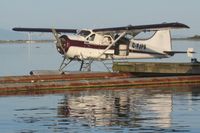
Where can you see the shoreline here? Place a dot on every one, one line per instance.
(25, 41)
(186, 39)
(194, 38)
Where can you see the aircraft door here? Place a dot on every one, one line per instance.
(122, 47)
(123, 50)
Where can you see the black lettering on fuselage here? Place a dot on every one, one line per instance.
(139, 46)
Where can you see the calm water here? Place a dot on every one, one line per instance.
(157, 109)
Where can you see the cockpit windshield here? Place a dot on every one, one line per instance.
(84, 33)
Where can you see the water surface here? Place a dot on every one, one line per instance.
(162, 109)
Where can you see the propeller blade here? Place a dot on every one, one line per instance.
(59, 44)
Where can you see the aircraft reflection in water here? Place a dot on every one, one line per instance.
(132, 108)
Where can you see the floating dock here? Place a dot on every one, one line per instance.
(157, 69)
(129, 74)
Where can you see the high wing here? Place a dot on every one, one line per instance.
(129, 29)
(141, 28)
(44, 30)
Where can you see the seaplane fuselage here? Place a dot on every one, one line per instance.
(89, 45)
(112, 43)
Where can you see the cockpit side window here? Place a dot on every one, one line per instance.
(91, 38)
(84, 33)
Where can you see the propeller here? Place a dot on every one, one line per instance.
(59, 43)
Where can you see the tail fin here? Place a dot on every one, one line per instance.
(159, 42)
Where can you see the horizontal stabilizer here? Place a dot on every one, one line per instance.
(189, 51)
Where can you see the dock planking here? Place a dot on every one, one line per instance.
(83, 81)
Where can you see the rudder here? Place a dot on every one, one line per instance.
(160, 41)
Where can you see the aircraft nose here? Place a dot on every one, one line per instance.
(63, 45)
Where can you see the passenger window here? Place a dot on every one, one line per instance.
(106, 40)
(144, 35)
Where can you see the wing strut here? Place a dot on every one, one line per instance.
(109, 46)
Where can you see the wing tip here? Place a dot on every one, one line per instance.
(15, 29)
(180, 25)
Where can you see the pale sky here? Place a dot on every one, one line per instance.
(98, 13)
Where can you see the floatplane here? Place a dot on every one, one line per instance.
(88, 45)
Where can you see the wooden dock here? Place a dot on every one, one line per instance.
(128, 74)
(72, 81)
(83, 81)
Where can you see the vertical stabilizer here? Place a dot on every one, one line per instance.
(159, 42)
